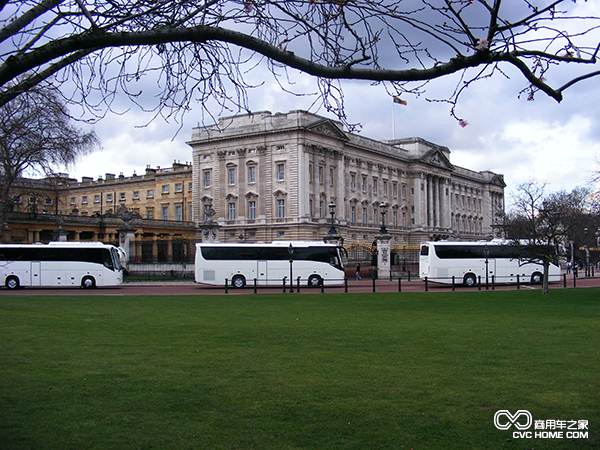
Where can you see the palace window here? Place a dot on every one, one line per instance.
(252, 210)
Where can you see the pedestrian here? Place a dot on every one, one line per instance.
(358, 271)
(569, 265)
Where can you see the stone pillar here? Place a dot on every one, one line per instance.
(126, 242)
(444, 217)
(436, 202)
(155, 248)
(384, 261)
(429, 201)
(60, 235)
(334, 239)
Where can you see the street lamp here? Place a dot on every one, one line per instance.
(291, 253)
(382, 209)
(587, 253)
(332, 230)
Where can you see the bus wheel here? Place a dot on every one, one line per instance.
(88, 283)
(12, 283)
(536, 278)
(238, 281)
(470, 280)
(314, 281)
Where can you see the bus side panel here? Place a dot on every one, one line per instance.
(22, 270)
(53, 274)
(554, 274)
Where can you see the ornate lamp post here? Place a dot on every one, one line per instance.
(587, 253)
(383, 209)
(332, 230)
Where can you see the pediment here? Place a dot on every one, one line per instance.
(328, 128)
(437, 158)
(499, 180)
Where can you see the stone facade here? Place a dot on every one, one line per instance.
(273, 176)
(158, 205)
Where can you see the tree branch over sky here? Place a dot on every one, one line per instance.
(204, 51)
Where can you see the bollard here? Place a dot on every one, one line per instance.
(298, 285)
(564, 280)
(255, 281)
(479, 284)
(426, 285)
(574, 280)
(409, 276)
(493, 282)
(346, 285)
(226, 286)
(399, 284)
(391, 275)
(284, 284)
(518, 282)
(322, 286)
(453, 283)
(373, 284)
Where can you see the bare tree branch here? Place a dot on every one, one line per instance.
(184, 45)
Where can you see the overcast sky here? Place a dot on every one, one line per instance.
(542, 140)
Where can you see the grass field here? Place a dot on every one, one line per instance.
(353, 371)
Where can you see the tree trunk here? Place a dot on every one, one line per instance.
(545, 278)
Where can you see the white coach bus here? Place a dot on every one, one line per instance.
(314, 262)
(466, 262)
(59, 264)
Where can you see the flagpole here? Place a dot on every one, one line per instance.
(393, 121)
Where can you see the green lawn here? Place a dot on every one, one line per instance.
(303, 371)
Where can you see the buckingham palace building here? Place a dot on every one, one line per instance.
(264, 177)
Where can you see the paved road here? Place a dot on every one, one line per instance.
(190, 288)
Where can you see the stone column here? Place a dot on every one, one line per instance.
(429, 201)
(384, 262)
(436, 202)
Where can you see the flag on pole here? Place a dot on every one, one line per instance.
(399, 100)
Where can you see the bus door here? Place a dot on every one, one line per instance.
(36, 276)
(262, 272)
(491, 270)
